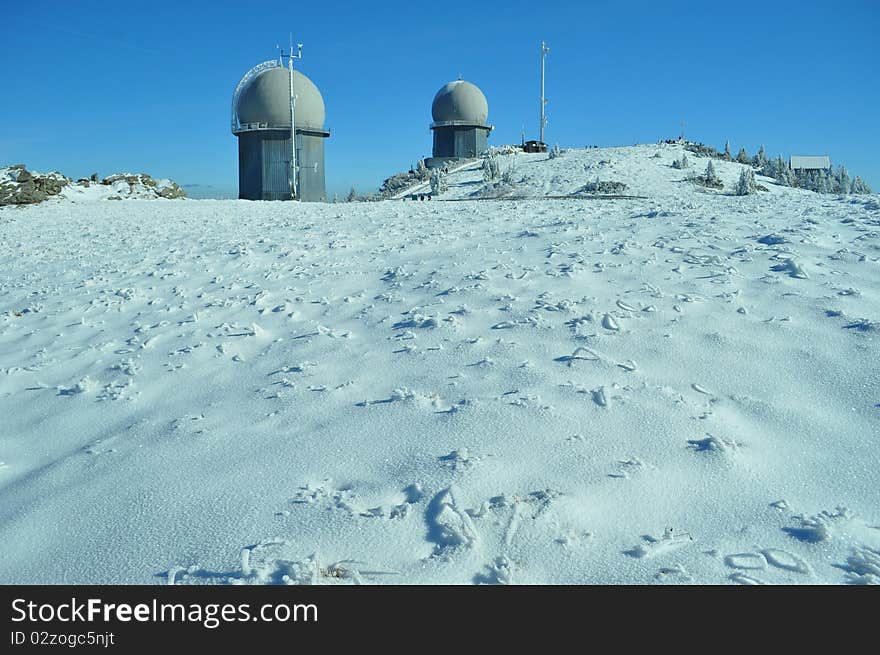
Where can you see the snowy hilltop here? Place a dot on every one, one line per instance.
(653, 170)
(19, 186)
(621, 370)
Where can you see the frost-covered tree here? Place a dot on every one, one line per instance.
(727, 151)
(508, 176)
(746, 184)
(859, 186)
(760, 159)
(782, 173)
(710, 178)
(743, 157)
(711, 175)
(820, 181)
(555, 152)
(491, 169)
(841, 177)
(352, 195)
(681, 163)
(438, 182)
(808, 180)
(422, 170)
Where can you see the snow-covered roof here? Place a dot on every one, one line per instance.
(810, 162)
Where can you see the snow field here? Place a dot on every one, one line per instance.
(682, 388)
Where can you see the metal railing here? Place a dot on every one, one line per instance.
(266, 127)
(461, 124)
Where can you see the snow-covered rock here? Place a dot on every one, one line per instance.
(19, 186)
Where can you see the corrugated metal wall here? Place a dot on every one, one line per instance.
(464, 143)
(481, 141)
(310, 160)
(250, 166)
(276, 169)
(444, 142)
(455, 141)
(264, 166)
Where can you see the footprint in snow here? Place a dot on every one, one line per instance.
(743, 579)
(673, 574)
(609, 323)
(862, 566)
(461, 459)
(629, 466)
(600, 397)
(713, 444)
(792, 267)
(449, 526)
(746, 561)
(402, 393)
(863, 325)
(653, 546)
(579, 354)
(782, 559)
(85, 385)
(497, 573)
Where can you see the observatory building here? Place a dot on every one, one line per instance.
(460, 130)
(268, 168)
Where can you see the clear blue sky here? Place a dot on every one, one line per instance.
(91, 86)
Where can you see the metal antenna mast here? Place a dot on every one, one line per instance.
(290, 57)
(544, 51)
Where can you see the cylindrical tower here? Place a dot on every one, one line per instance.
(261, 121)
(460, 127)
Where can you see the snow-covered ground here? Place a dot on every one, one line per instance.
(683, 388)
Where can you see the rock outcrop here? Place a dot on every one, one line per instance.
(19, 186)
(140, 184)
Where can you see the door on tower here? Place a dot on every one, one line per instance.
(276, 169)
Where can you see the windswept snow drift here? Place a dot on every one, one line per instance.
(677, 389)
